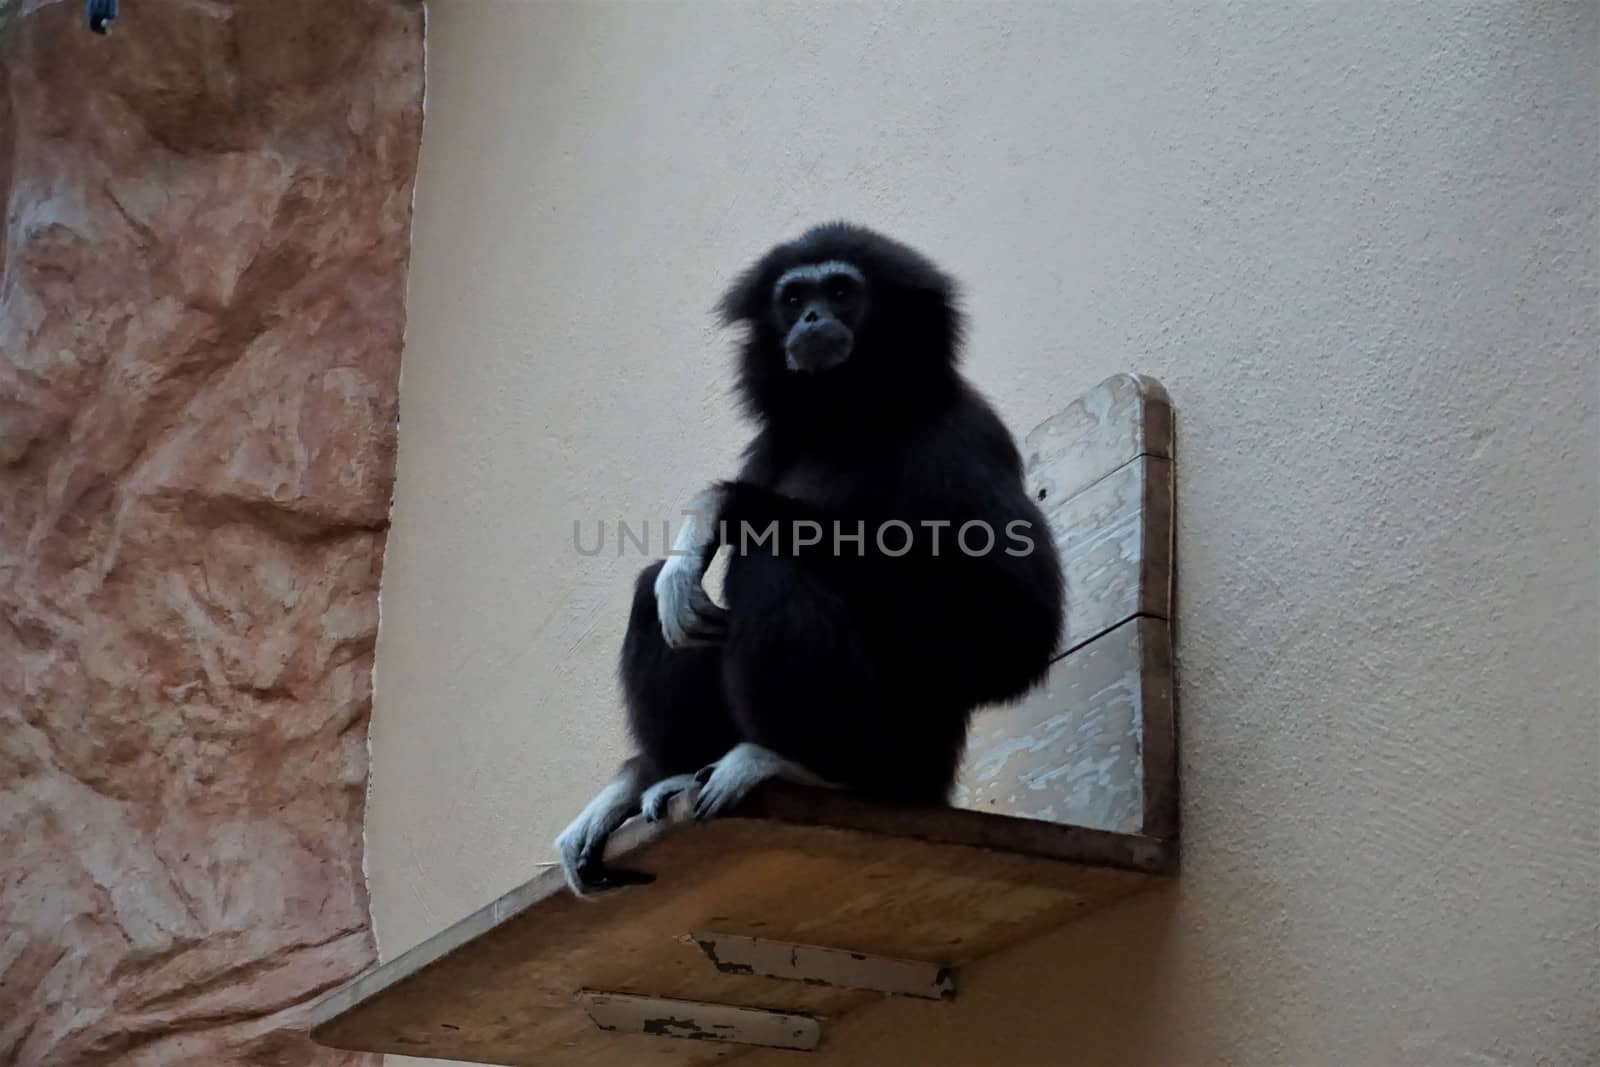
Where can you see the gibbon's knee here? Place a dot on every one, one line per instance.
(677, 710)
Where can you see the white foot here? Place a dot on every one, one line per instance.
(658, 798)
(582, 845)
(729, 780)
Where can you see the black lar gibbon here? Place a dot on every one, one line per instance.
(888, 573)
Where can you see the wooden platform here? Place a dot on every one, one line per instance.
(501, 986)
(761, 928)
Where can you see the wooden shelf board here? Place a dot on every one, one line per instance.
(945, 886)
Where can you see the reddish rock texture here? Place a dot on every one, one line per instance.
(202, 275)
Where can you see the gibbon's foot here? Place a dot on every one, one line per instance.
(582, 845)
(729, 780)
(658, 798)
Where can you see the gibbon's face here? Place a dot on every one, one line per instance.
(819, 309)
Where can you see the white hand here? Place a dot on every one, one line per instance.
(688, 615)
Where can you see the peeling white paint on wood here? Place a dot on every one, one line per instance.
(691, 1020)
(1091, 747)
(736, 954)
(1124, 416)
(1114, 538)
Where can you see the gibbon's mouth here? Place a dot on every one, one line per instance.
(814, 349)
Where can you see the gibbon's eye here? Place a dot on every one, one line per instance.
(791, 298)
(839, 288)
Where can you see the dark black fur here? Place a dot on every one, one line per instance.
(865, 670)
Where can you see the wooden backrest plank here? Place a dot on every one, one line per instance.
(1095, 744)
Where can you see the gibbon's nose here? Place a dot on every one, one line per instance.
(810, 315)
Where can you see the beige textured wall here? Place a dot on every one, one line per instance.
(1358, 244)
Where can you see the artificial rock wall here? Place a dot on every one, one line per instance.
(202, 280)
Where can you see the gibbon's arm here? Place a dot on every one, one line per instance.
(746, 503)
(688, 615)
